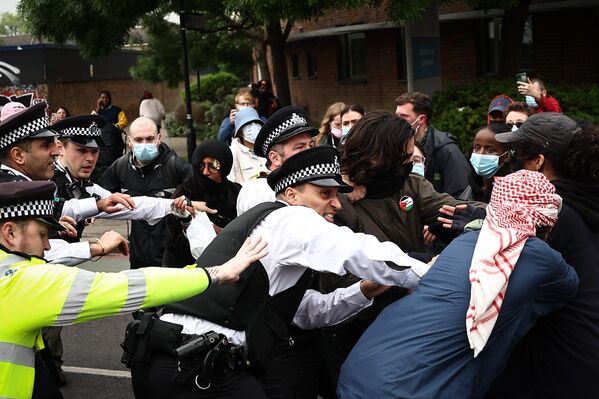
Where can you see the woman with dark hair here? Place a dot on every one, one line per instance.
(58, 115)
(398, 204)
(212, 162)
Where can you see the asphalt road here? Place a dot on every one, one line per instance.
(91, 350)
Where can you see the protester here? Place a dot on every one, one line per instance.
(516, 114)
(226, 131)
(64, 295)
(489, 159)
(58, 115)
(397, 206)
(246, 164)
(111, 133)
(152, 108)
(255, 316)
(446, 167)
(497, 108)
(349, 116)
(537, 97)
(211, 163)
(150, 169)
(330, 132)
(559, 357)
(453, 334)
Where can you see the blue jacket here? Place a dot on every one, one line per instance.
(418, 348)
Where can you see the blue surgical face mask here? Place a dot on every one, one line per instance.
(531, 102)
(145, 152)
(485, 165)
(345, 131)
(250, 131)
(418, 168)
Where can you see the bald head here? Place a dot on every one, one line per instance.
(143, 131)
(144, 124)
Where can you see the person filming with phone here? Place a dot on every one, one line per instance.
(536, 94)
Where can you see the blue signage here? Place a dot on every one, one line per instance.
(426, 57)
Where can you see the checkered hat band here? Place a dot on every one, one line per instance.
(81, 131)
(24, 131)
(323, 170)
(37, 208)
(294, 121)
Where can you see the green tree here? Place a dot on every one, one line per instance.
(11, 24)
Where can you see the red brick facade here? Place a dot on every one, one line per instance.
(564, 49)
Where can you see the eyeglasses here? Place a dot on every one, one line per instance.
(213, 166)
(511, 125)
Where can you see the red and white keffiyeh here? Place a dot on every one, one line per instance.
(520, 203)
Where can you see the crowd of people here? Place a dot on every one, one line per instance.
(366, 258)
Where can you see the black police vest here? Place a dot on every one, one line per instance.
(66, 190)
(247, 305)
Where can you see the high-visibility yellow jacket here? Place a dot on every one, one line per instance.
(34, 294)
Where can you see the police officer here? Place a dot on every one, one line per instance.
(79, 147)
(34, 294)
(255, 314)
(27, 152)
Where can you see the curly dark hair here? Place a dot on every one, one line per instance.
(377, 143)
(582, 160)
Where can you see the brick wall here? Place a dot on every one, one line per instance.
(316, 94)
(458, 51)
(80, 98)
(362, 15)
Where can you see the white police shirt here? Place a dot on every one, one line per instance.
(299, 238)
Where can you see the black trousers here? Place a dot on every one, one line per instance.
(156, 380)
(291, 374)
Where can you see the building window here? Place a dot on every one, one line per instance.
(352, 56)
(400, 40)
(311, 64)
(295, 66)
(491, 51)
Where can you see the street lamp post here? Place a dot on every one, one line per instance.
(191, 137)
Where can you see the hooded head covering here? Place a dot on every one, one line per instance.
(520, 203)
(220, 196)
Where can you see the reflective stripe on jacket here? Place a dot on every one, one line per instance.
(34, 294)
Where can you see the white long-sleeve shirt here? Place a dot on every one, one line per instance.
(299, 238)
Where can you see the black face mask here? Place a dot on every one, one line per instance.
(386, 184)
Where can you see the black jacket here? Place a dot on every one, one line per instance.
(156, 179)
(559, 357)
(445, 167)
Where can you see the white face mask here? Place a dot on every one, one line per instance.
(250, 131)
(417, 128)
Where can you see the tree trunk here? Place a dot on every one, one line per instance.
(276, 39)
(512, 30)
